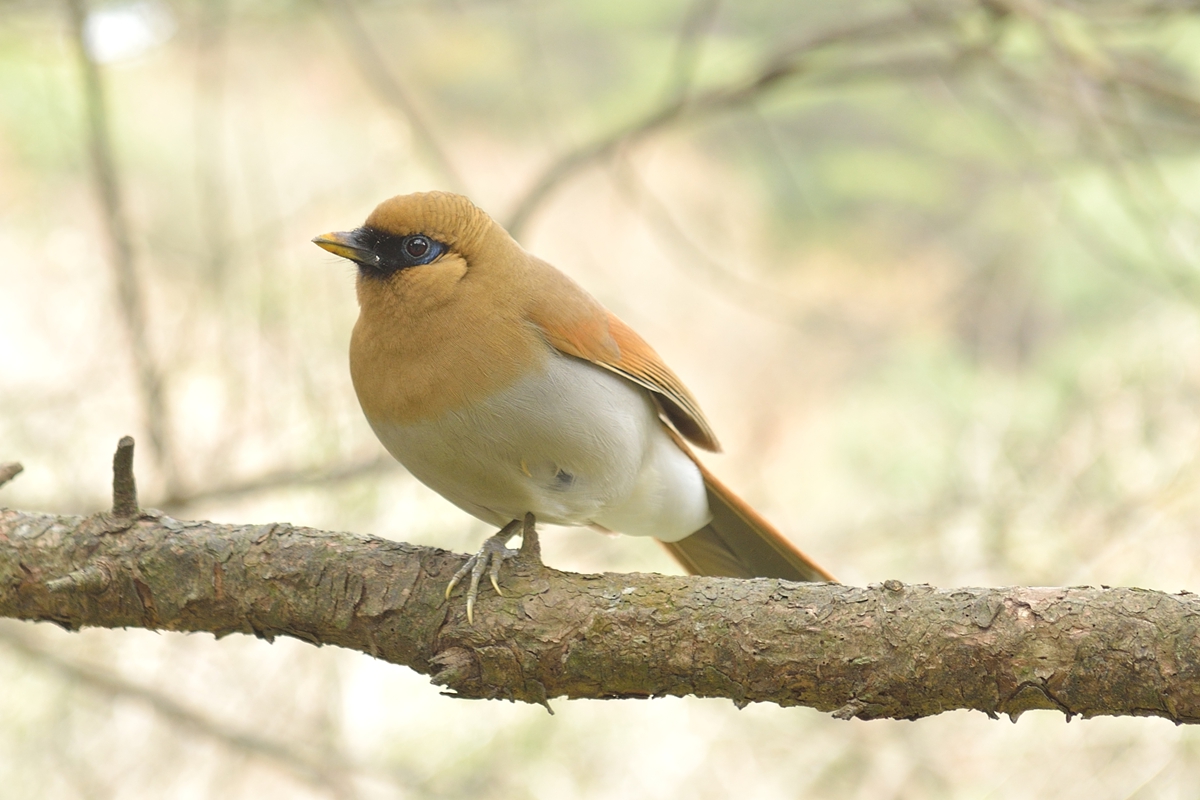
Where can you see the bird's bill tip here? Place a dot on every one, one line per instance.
(345, 245)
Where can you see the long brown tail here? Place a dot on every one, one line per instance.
(739, 543)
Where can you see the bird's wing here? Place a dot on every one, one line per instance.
(589, 331)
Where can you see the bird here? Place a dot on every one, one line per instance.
(500, 383)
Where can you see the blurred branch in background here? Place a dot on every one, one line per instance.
(757, 298)
(209, 119)
(130, 296)
(1119, 102)
(682, 107)
(689, 49)
(328, 770)
(9, 470)
(379, 76)
(1112, 96)
(281, 479)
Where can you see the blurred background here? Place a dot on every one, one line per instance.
(932, 269)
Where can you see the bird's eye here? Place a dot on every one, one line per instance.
(394, 252)
(416, 247)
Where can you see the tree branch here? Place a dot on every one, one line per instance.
(888, 650)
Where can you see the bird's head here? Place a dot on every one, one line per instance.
(422, 244)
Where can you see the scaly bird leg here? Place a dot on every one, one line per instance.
(491, 555)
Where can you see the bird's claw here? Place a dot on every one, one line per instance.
(489, 559)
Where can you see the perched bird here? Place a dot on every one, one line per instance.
(505, 387)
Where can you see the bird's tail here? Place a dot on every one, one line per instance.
(739, 543)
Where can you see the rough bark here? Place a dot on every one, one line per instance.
(888, 650)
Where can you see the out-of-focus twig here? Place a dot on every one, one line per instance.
(116, 225)
(758, 299)
(789, 63)
(280, 479)
(379, 75)
(10, 470)
(1098, 85)
(213, 197)
(689, 48)
(327, 770)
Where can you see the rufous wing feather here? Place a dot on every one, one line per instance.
(599, 336)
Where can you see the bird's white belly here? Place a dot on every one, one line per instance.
(575, 444)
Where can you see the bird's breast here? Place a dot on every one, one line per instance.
(413, 360)
(569, 441)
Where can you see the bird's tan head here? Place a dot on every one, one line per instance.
(441, 290)
(426, 241)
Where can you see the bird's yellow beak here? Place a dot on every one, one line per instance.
(349, 245)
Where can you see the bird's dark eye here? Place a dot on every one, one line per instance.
(391, 252)
(415, 247)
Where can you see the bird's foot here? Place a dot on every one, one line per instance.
(492, 555)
